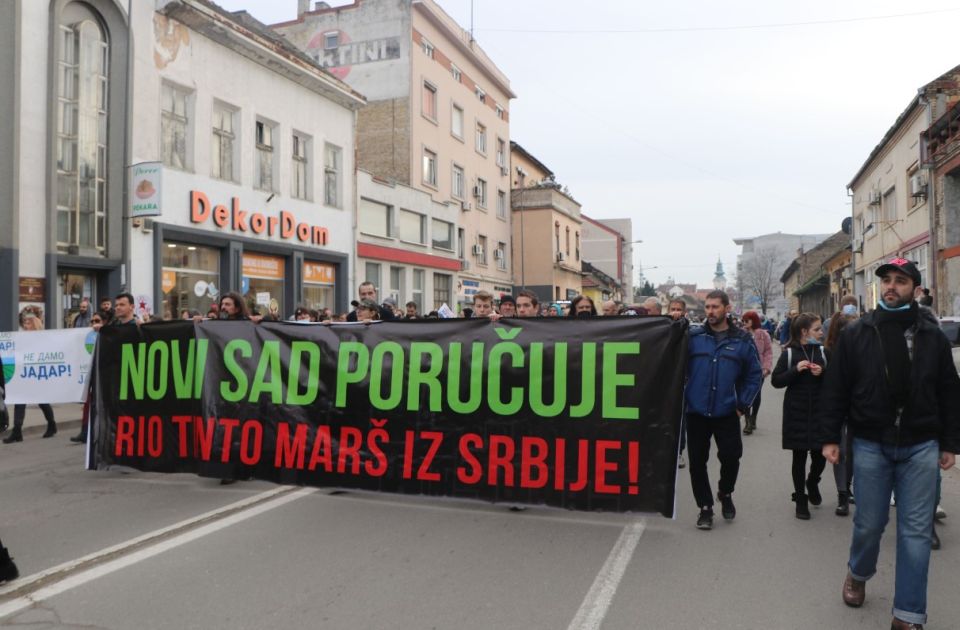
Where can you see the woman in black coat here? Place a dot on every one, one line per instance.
(800, 369)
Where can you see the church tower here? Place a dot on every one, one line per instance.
(719, 279)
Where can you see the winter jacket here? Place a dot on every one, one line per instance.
(764, 349)
(721, 378)
(801, 401)
(855, 389)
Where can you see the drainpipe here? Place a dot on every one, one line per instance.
(934, 263)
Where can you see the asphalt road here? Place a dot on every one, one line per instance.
(118, 550)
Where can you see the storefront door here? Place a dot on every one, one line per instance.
(71, 289)
(263, 283)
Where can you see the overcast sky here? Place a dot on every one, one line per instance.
(704, 121)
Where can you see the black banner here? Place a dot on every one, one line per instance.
(581, 414)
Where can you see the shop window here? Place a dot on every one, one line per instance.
(190, 278)
(372, 274)
(263, 179)
(319, 285)
(442, 235)
(82, 93)
(417, 293)
(300, 167)
(263, 282)
(222, 149)
(332, 167)
(442, 284)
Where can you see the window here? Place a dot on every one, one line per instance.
(459, 182)
(567, 248)
(441, 289)
(412, 227)
(427, 48)
(429, 104)
(82, 138)
(455, 71)
(501, 153)
(577, 242)
(501, 204)
(442, 235)
(499, 112)
(481, 193)
(221, 150)
(332, 166)
(481, 139)
(461, 243)
(331, 40)
(174, 126)
(890, 207)
(481, 251)
(481, 95)
(418, 280)
(396, 283)
(375, 218)
(456, 122)
(372, 274)
(263, 173)
(501, 256)
(920, 256)
(429, 167)
(299, 168)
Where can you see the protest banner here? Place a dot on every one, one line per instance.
(582, 414)
(47, 366)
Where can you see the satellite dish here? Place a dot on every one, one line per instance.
(847, 225)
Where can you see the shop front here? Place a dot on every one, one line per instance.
(211, 240)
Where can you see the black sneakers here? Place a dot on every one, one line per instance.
(705, 520)
(728, 509)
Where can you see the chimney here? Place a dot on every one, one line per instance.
(302, 7)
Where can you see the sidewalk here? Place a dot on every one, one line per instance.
(67, 415)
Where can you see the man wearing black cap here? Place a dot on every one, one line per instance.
(368, 291)
(891, 377)
(508, 306)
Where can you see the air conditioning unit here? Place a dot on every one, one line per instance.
(875, 197)
(918, 187)
(147, 226)
(465, 205)
(478, 250)
(504, 170)
(561, 257)
(858, 246)
(477, 191)
(464, 264)
(498, 254)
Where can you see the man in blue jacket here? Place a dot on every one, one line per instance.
(723, 378)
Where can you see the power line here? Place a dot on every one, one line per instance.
(741, 27)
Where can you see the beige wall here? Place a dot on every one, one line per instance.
(540, 214)
(533, 170)
(895, 229)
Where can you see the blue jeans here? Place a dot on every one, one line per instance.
(879, 469)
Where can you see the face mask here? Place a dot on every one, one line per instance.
(849, 309)
(812, 341)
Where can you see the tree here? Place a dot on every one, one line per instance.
(760, 277)
(647, 290)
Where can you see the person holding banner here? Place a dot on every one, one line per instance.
(233, 307)
(723, 378)
(30, 322)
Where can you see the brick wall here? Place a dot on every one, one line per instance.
(383, 139)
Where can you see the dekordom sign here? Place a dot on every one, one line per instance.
(283, 225)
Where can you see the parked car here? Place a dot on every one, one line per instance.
(951, 327)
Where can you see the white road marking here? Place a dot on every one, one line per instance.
(594, 607)
(258, 503)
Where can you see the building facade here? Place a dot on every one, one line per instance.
(255, 145)
(437, 117)
(606, 246)
(891, 197)
(410, 254)
(64, 148)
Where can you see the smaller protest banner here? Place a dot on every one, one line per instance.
(49, 366)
